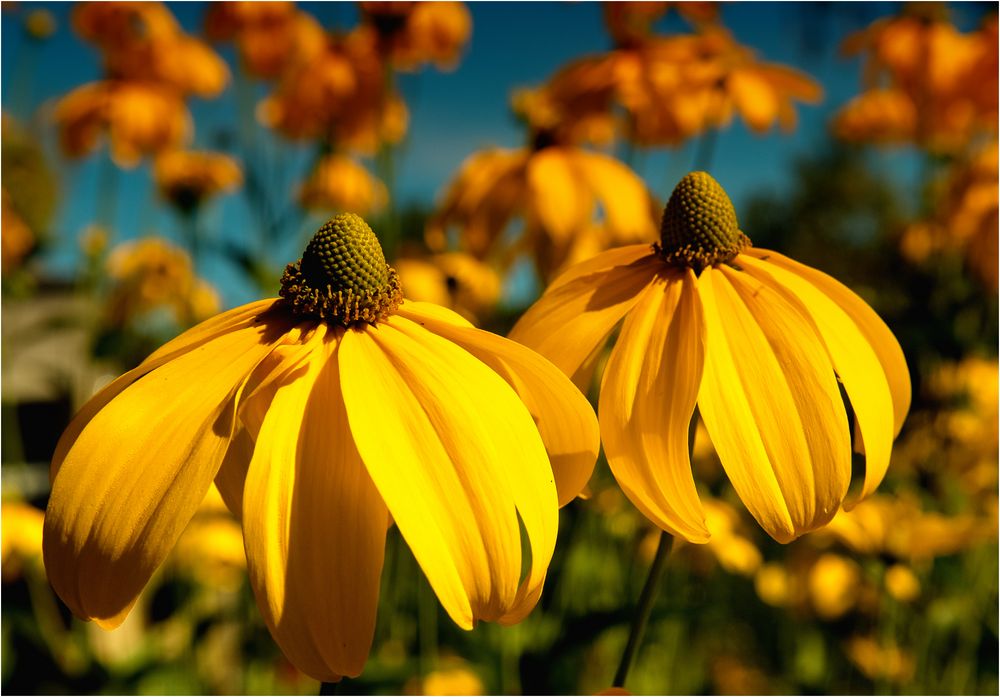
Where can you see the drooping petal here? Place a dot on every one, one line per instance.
(648, 395)
(560, 200)
(238, 318)
(314, 524)
(564, 417)
(622, 195)
(568, 324)
(138, 470)
(854, 359)
(878, 335)
(456, 457)
(771, 405)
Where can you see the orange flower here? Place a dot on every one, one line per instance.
(675, 88)
(267, 34)
(555, 189)
(187, 178)
(138, 118)
(339, 183)
(410, 34)
(143, 41)
(336, 91)
(949, 78)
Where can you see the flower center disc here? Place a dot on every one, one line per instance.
(342, 276)
(699, 225)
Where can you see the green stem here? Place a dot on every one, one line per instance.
(646, 601)
(706, 150)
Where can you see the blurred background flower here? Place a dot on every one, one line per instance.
(164, 160)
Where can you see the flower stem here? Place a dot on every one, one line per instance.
(646, 601)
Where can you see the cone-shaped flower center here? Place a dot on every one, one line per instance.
(342, 276)
(699, 225)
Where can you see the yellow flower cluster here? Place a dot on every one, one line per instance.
(151, 65)
(411, 34)
(673, 88)
(151, 274)
(965, 216)
(268, 35)
(928, 83)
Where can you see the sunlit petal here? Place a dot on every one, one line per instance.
(871, 325)
(568, 324)
(647, 398)
(115, 512)
(314, 524)
(771, 405)
(564, 417)
(854, 359)
(456, 457)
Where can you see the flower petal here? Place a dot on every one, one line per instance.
(314, 524)
(456, 457)
(564, 417)
(558, 197)
(240, 317)
(771, 405)
(648, 395)
(568, 324)
(854, 359)
(138, 470)
(623, 196)
(878, 335)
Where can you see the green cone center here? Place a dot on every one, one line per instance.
(342, 276)
(699, 225)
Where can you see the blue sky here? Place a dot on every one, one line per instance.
(454, 114)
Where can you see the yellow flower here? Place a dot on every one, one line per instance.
(40, 24)
(834, 584)
(674, 88)
(900, 528)
(21, 540)
(413, 33)
(734, 552)
(269, 35)
(339, 183)
(336, 91)
(454, 280)
(210, 550)
(881, 661)
(902, 583)
(629, 23)
(773, 584)
(138, 119)
(152, 273)
(456, 678)
(186, 178)
(555, 189)
(942, 84)
(17, 239)
(143, 41)
(759, 342)
(319, 415)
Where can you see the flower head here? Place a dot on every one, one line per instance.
(188, 178)
(322, 416)
(340, 183)
(138, 118)
(759, 342)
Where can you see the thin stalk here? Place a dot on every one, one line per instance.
(646, 601)
(706, 150)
